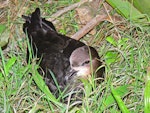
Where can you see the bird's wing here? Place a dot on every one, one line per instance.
(54, 48)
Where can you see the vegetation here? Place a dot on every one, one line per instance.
(123, 46)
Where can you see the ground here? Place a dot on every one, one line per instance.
(123, 46)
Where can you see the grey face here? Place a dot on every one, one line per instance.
(84, 60)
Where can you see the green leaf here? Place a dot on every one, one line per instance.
(4, 35)
(2, 28)
(122, 91)
(1, 76)
(111, 57)
(111, 40)
(120, 102)
(143, 6)
(127, 10)
(10, 63)
(62, 31)
(123, 43)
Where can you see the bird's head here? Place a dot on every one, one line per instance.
(84, 61)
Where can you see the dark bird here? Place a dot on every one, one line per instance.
(67, 58)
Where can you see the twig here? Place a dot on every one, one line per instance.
(89, 26)
(66, 9)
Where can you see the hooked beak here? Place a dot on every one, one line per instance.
(71, 75)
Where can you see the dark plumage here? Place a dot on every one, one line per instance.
(55, 50)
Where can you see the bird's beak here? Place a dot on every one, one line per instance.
(71, 75)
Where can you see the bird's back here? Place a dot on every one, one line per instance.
(54, 48)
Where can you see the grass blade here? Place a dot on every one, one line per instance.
(3, 63)
(147, 92)
(55, 81)
(121, 104)
(41, 84)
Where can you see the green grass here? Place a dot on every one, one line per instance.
(126, 60)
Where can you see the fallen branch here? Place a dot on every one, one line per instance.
(89, 26)
(66, 9)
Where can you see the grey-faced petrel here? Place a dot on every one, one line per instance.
(65, 57)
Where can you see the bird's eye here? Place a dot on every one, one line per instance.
(86, 62)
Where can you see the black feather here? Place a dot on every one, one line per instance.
(54, 48)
